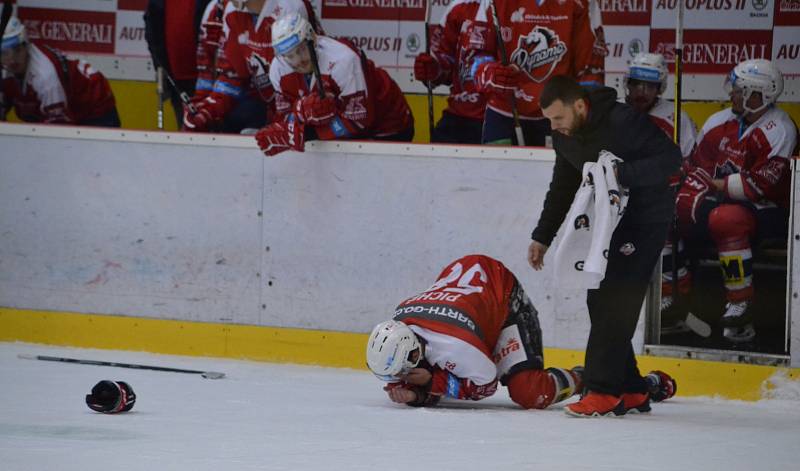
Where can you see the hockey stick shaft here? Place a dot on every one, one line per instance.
(428, 51)
(315, 65)
(160, 93)
(5, 17)
(676, 135)
(205, 374)
(504, 58)
(181, 94)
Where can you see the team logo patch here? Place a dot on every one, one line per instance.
(538, 53)
(627, 248)
(582, 222)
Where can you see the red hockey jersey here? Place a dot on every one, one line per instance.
(244, 57)
(454, 42)
(663, 113)
(753, 160)
(56, 89)
(460, 318)
(207, 47)
(370, 103)
(543, 38)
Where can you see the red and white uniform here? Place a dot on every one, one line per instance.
(754, 162)
(369, 102)
(207, 47)
(460, 318)
(663, 114)
(543, 39)
(244, 57)
(56, 89)
(454, 42)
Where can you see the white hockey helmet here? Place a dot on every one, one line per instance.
(290, 31)
(648, 67)
(756, 75)
(389, 350)
(14, 34)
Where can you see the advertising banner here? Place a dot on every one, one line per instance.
(718, 33)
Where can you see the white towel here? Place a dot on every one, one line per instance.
(582, 254)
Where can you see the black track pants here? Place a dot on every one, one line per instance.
(614, 308)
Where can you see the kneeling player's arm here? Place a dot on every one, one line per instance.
(444, 383)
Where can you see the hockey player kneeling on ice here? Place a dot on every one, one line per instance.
(111, 397)
(474, 326)
(359, 100)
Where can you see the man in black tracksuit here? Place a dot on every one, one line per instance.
(584, 123)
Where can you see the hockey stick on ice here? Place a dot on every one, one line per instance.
(504, 58)
(204, 374)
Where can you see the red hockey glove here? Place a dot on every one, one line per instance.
(696, 186)
(199, 121)
(315, 110)
(497, 79)
(426, 68)
(280, 136)
(660, 385)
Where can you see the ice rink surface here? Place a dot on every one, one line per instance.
(283, 417)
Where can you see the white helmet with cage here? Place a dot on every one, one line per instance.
(648, 67)
(290, 31)
(14, 34)
(390, 348)
(756, 75)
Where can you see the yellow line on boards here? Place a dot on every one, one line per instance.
(325, 348)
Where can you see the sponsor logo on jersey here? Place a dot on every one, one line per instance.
(510, 347)
(438, 312)
(449, 365)
(355, 108)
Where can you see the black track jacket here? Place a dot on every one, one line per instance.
(649, 156)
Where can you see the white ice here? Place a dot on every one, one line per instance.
(284, 417)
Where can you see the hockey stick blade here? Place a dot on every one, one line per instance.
(204, 374)
(698, 326)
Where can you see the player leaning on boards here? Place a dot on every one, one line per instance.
(327, 89)
(585, 123)
(44, 86)
(473, 327)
